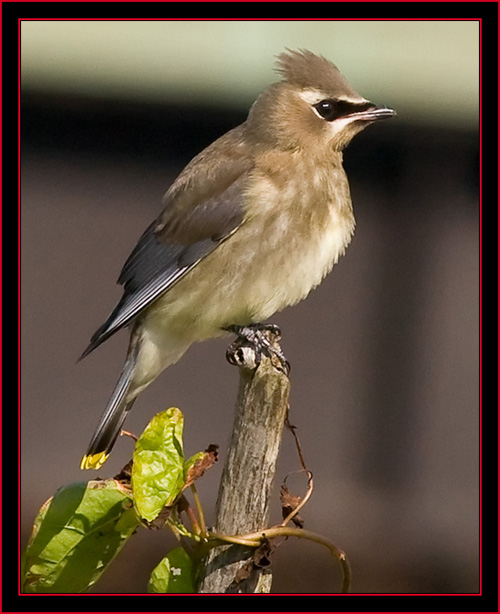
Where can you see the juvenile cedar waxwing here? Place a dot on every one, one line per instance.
(251, 225)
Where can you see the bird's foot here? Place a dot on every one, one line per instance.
(252, 342)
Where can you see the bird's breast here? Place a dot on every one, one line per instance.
(298, 225)
(294, 231)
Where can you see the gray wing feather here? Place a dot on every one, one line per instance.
(156, 263)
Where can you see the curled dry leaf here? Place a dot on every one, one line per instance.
(160, 520)
(198, 464)
(261, 558)
(290, 502)
(123, 477)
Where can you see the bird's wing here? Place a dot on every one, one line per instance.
(203, 207)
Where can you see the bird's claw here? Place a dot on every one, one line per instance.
(254, 340)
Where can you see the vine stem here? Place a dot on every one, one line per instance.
(199, 509)
(256, 539)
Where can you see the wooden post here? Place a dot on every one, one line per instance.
(247, 478)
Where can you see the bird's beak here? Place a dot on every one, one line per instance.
(372, 113)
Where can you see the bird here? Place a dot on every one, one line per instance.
(250, 226)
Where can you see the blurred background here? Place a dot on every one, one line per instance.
(384, 353)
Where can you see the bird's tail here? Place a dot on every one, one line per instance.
(112, 419)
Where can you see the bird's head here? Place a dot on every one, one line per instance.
(312, 107)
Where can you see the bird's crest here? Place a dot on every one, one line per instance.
(305, 69)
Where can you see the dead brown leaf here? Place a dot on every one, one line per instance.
(202, 464)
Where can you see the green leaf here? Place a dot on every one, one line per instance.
(76, 534)
(173, 574)
(158, 467)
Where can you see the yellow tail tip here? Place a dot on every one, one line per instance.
(94, 461)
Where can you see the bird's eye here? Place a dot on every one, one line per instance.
(332, 109)
(327, 109)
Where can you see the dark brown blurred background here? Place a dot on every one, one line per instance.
(384, 354)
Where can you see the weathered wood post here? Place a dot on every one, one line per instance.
(248, 474)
